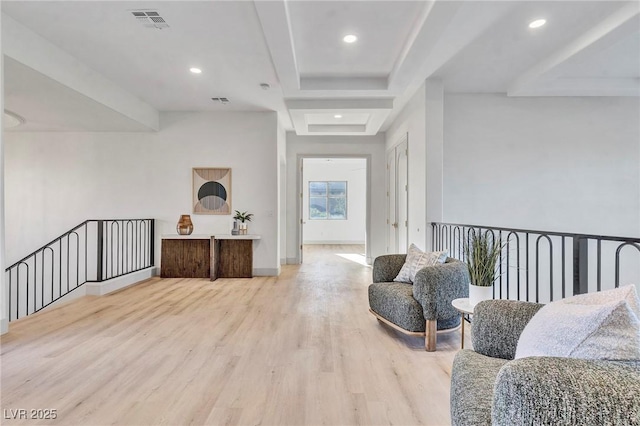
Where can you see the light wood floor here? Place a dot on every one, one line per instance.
(300, 349)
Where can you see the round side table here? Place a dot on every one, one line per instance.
(464, 307)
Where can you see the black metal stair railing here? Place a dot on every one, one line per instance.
(93, 251)
(542, 265)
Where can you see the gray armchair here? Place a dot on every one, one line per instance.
(488, 387)
(420, 308)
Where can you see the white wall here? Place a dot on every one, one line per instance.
(358, 146)
(434, 129)
(4, 295)
(54, 181)
(549, 164)
(353, 229)
(553, 164)
(282, 193)
(411, 121)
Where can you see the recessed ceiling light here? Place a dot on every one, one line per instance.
(337, 116)
(537, 23)
(350, 38)
(195, 70)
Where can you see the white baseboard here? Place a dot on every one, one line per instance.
(106, 287)
(283, 261)
(334, 242)
(293, 261)
(266, 272)
(4, 325)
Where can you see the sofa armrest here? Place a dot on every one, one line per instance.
(436, 286)
(497, 325)
(567, 391)
(387, 267)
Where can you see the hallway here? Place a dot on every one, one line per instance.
(300, 349)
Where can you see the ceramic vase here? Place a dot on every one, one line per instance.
(185, 226)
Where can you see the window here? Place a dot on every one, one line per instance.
(328, 200)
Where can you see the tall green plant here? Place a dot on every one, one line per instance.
(482, 252)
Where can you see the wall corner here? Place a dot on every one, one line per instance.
(434, 130)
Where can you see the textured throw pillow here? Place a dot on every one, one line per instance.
(603, 325)
(416, 260)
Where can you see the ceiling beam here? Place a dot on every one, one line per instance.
(441, 32)
(583, 87)
(343, 83)
(34, 51)
(300, 110)
(276, 27)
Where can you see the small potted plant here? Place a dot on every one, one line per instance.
(481, 252)
(243, 218)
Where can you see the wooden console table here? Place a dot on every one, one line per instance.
(207, 256)
(232, 256)
(185, 256)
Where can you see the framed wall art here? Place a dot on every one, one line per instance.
(211, 190)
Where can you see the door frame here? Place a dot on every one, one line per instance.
(299, 205)
(390, 159)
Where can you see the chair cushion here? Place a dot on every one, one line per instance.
(566, 392)
(394, 302)
(603, 325)
(472, 379)
(416, 260)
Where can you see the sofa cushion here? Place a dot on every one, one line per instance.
(472, 379)
(416, 260)
(394, 302)
(603, 325)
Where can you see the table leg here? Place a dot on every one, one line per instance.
(462, 339)
(215, 259)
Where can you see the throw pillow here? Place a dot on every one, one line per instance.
(602, 325)
(416, 260)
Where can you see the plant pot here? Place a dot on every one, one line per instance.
(184, 226)
(478, 293)
(243, 228)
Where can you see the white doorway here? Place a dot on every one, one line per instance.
(334, 202)
(397, 197)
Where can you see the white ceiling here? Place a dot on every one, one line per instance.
(65, 61)
(499, 56)
(318, 27)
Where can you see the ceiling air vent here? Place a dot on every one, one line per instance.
(223, 101)
(150, 19)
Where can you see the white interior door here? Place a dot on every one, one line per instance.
(397, 198)
(392, 235)
(402, 218)
(301, 210)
